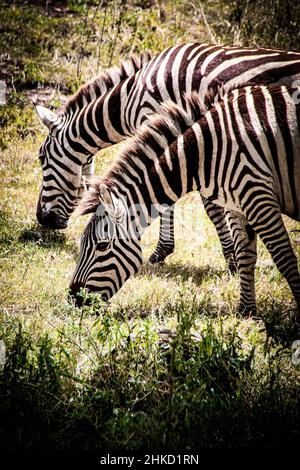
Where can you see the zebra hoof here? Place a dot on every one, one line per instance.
(247, 312)
(156, 259)
(159, 256)
(232, 267)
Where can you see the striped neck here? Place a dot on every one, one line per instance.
(99, 123)
(92, 118)
(152, 172)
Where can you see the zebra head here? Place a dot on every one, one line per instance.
(64, 164)
(110, 249)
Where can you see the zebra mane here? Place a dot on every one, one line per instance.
(91, 200)
(105, 81)
(210, 100)
(161, 130)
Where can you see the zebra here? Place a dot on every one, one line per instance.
(64, 160)
(101, 114)
(242, 153)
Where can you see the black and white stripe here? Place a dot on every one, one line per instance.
(243, 154)
(99, 115)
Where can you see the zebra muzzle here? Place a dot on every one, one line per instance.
(51, 220)
(79, 296)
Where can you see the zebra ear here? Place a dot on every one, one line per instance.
(46, 116)
(106, 198)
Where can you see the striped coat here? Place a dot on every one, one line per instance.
(112, 108)
(243, 154)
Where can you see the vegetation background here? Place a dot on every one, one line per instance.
(168, 364)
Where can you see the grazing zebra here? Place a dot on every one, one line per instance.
(64, 155)
(243, 154)
(111, 108)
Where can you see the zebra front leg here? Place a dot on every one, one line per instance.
(217, 216)
(244, 240)
(166, 244)
(269, 225)
(87, 173)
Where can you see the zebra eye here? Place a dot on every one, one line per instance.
(101, 246)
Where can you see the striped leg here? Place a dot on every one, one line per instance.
(269, 225)
(244, 239)
(217, 216)
(166, 244)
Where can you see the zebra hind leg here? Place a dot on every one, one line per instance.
(166, 243)
(244, 239)
(270, 227)
(217, 216)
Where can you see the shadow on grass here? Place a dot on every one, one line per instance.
(185, 271)
(93, 306)
(40, 235)
(282, 326)
(54, 239)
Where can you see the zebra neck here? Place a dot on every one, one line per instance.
(150, 183)
(139, 209)
(109, 117)
(99, 123)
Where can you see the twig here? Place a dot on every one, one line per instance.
(118, 29)
(211, 34)
(101, 37)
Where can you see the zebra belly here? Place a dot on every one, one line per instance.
(223, 199)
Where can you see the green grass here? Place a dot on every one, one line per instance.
(168, 363)
(60, 48)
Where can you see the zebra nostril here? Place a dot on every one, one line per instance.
(78, 300)
(74, 297)
(78, 295)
